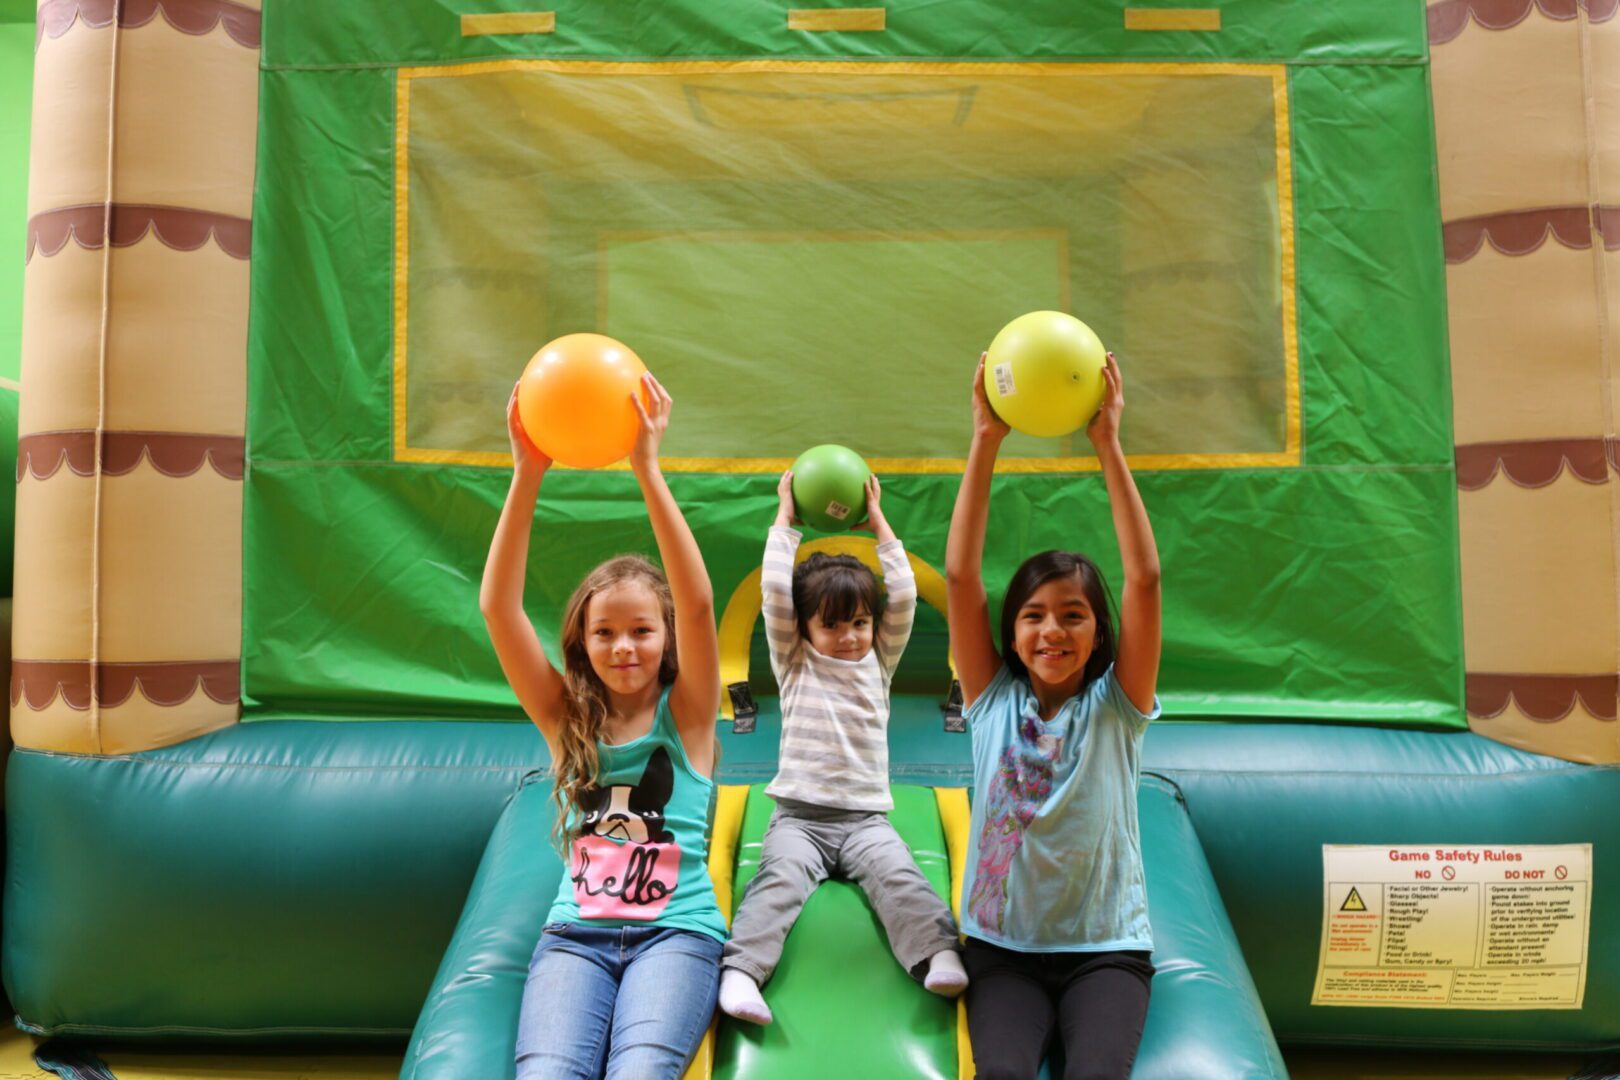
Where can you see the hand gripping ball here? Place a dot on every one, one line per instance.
(829, 487)
(574, 400)
(1044, 373)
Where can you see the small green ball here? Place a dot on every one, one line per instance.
(829, 487)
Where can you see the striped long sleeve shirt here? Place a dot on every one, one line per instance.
(835, 713)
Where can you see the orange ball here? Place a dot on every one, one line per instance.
(574, 400)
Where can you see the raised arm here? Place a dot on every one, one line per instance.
(972, 643)
(898, 581)
(1141, 619)
(538, 685)
(695, 699)
(776, 581)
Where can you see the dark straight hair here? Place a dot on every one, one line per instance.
(834, 588)
(1036, 571)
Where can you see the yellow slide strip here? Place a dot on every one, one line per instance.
(728, 818)
(730, 800)
(954, 814)
(849, 19)
(736, 635)
(509, 22)
(1172, 18)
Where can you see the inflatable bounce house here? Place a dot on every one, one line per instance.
(283, 264)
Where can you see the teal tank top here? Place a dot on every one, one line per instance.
(642, 856)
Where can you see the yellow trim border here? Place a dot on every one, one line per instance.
(729, 803)
(1294, 430)
(853, 20)
(954, 815)
(402, 276)
(509, 22)
(1289, 457)
(1172, 18)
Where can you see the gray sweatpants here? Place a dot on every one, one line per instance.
(805, 845)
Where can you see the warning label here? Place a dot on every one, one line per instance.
(1437, 927)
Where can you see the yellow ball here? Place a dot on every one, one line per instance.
(1044, 374)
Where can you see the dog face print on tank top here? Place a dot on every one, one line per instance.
(626, 863)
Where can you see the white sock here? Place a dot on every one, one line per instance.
(739, 997)
(946, 975)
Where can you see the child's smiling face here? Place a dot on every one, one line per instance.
(1055, 632)
(624, 636)
(850, 639)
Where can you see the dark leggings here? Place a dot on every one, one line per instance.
(1098, 1000)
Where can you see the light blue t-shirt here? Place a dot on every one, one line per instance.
(1054, 852)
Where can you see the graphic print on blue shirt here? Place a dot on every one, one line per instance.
(1022, 782)
(626, 863)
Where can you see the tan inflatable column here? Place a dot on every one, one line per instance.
(1526, 115)
(127, 631)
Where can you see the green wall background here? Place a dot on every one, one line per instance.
(16, 96)
(1324, 592)
(16, 107)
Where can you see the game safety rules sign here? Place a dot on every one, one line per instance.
(1437, 926)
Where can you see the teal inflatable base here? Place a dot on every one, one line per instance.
(1205, 1019)
(297, 879)
(1265, 800)
(479, 984)
(266, 881)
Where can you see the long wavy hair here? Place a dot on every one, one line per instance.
(586, 705)
(1036, 571)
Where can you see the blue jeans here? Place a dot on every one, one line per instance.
(630, 1002)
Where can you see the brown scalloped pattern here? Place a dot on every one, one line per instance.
(165, 683)
(170, 453)
(1448, 18)
(1519, 232)
(1606, 219)
(174, 226)
(1545, 699)
(56, 17)
(1535, 463)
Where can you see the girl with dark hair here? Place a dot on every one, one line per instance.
(1054, 904)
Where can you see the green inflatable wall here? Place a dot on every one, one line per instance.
(425, 220)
